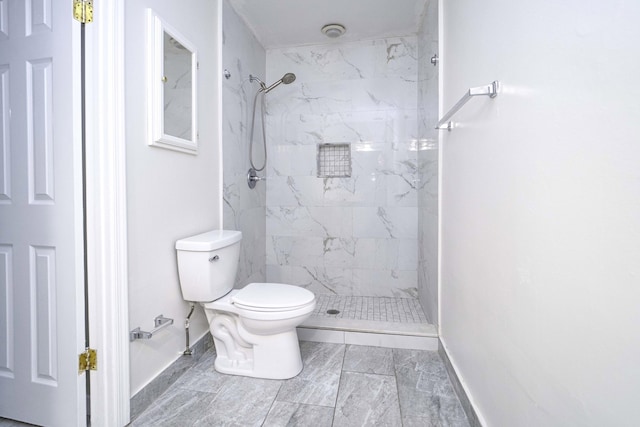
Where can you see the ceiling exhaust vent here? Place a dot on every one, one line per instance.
(333, 30)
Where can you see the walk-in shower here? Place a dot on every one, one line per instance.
(364, 241)
(252, 175)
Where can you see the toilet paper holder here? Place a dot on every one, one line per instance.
(160, 322)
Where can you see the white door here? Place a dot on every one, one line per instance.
(41, 244)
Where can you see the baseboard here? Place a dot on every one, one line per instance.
(161, 383)
(459, 389)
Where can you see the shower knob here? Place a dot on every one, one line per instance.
(252, 178)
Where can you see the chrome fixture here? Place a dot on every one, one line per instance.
(288, 78)
(227, 74)
(252, 178)
(490, 90)
(160, 322)
(435, 59)
(187, 351)
(253, 78)
(333, 30)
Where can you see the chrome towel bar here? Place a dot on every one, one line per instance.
(490, 90)
(160, 322)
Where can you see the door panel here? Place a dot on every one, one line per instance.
(41, 244)
(5, 161)
(6, 312)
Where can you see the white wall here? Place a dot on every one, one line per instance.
(540, 289)
(170, 195)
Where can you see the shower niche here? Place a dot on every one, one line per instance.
(334, 160)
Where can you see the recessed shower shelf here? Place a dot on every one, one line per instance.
(334, 160)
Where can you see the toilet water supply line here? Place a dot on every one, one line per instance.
(188, 352)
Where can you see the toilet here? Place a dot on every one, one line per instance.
(253, 328)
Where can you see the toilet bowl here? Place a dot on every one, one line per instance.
(253, 328)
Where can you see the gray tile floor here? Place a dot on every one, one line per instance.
(384, 309)
(340, 385)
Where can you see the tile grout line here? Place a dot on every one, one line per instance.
(335, 404)
(395, 374)
(275, 399)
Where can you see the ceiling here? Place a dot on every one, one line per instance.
(279, 23)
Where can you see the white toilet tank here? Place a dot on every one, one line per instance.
(207, 264)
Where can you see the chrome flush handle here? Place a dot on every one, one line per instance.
(214, 258)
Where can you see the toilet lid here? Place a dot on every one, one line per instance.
(272, 296)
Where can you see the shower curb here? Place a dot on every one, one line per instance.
(368, 338)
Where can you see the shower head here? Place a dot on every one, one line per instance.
(286, 79)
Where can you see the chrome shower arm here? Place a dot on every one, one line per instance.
(253, 78)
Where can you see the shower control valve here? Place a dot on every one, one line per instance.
(252, 178)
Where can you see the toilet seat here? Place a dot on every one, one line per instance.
(274, 315)
(268, 310)
(272, 297)
(266, 301)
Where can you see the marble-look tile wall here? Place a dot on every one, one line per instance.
(428, 164)
(244, 209)
(347, 236)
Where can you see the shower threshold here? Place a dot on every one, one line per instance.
(376, 321)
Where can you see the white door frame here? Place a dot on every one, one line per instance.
(107, 214)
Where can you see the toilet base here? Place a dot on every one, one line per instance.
(252, 354)
(277, 357)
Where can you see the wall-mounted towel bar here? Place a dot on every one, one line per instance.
(490, 90)
(160, 322)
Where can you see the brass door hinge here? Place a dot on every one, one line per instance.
(88, 361)
(83, 11)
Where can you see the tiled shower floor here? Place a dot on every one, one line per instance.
(380, 309)
(372, 315)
